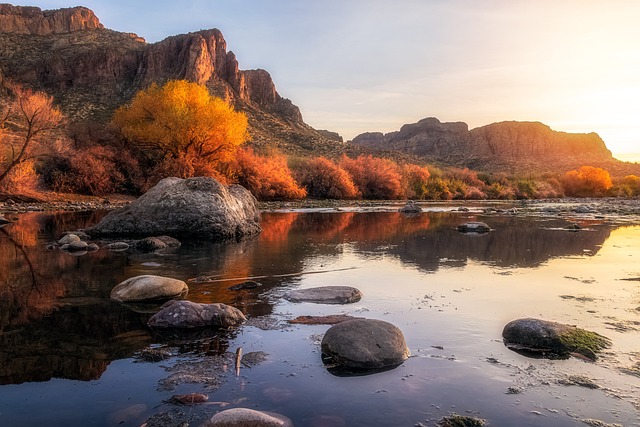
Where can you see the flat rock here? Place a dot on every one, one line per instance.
(198, 208)
(118, 246)
(364, 344)
(148, 288)
(551, 339)
(242, 417)
(77, 245)
(331, 319)
(187, 314)
(151, 244)
(325, 295)
(474, 227)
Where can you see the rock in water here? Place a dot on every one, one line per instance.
(325, 295)
(242, 417)
(149, 288)
(552, 339)
(187, 314)
(474, 227)
(364, 344)
(410, 207)
(199, 208)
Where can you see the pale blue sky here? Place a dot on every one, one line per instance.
(370, 65)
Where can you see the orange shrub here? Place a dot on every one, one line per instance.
(376, 178)
(268, 177)
(587, 181)
(414, 180)
(21, 179)
(324, 179)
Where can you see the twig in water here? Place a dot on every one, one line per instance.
(211, 279)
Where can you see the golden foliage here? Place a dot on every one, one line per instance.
(587, 181)
(181, 118)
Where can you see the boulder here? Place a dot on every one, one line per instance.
(151, 244)
(68, 239)
(474, 227)
(243, 417)
(410, 207)
(325, 295)
(198, 207)
(364, 344)
(187, 314)
(551, 339)
(149, 288)
(77, 245)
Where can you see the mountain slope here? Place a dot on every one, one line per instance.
(512, 147)
(91, 70)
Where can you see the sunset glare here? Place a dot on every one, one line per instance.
(369, 65)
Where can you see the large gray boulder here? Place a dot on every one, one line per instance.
(194, 207)
(325, 295)
(149, 288)
(552, 339)
(187, 314)
(364, 344)
(243, 417)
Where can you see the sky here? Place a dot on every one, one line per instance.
(356, 66)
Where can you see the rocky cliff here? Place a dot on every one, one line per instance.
(512, 147)
(91, 70)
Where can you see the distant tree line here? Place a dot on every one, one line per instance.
(179, 129)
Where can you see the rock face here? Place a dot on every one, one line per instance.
(187, 314)
(200, 208)
(551, 339)
(242, 417)
(325, 295)
(364, 344)
(148, 288)
(37, 48)
(506, 146)
(32, 20)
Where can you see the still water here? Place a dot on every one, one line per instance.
(69, 356)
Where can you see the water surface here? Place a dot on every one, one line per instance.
(69, 356)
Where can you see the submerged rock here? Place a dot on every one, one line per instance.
(149, 288)
(325, 295)
(118, 246)
(461, 421)
(189, 399)
(198, 207)
(243, 417)
(331, 319)
(551, 339)
(364, 344)
(249, 284)
(187, 314)
(474, 227)
(150, 244)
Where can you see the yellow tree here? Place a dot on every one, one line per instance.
(182, 120)
(29, 116)
(587, 181)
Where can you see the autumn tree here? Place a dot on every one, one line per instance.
(27, 119)
(325, 179)
(376, 178)
(587, 181)
(266, 177)
(414, 179)
(182, 121)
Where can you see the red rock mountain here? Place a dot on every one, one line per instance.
(91, 70)
(512, 147)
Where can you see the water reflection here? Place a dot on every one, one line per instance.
(56, 320)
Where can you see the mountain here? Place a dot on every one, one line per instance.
(91, 70)
(512, 147)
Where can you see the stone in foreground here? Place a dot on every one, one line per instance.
(364, 344)
(242, 417)
(474, 227)
(325, 295)
(200, 208)
(551, 339)
(187, 314)
(149, 288)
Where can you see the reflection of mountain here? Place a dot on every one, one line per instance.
(56, 319)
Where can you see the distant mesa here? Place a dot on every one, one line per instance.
(512, 147)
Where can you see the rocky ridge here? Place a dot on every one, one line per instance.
(512, 147)
(37, 48)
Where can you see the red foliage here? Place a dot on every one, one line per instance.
(268, 177)
(414, 180)
(324, 179)
(376, 178)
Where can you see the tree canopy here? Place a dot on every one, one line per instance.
(181, 119)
